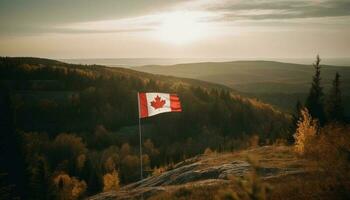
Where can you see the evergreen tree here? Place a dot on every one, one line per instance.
(314, 102)
(298, 108)
(334, 108)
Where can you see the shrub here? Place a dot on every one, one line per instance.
(331, 151)
(306, 130)
(328, 175)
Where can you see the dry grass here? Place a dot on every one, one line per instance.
(245, 188)
(323, 172)
(327, 175)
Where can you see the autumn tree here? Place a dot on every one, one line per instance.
(334, 107)
(69, 188)
(92, 106)
(307, 128)
(66, 151)
(314, 102)
(130, 168)
(295, 119)
(111, 181)
(110, 159)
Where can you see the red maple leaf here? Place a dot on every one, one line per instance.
(157, 102)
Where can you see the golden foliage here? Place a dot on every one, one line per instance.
(328, 176)
(72, 142)
(79, 187)
(69, 187)
(331, 150)
(109, 164)
(111, 181)
(306, 131)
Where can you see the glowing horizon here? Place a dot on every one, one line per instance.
(176, 28)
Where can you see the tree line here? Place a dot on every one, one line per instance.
(323, 135)
(326, 109)
(71, 130)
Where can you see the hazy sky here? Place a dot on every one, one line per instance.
(175, 28)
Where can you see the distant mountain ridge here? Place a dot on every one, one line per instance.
(133, 62)
(278, 83)
(252, 76)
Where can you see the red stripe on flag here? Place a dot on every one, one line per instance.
(143, 112)
(175, 104)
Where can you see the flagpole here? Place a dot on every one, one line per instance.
(140, 135)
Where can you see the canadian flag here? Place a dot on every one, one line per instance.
(152, 103)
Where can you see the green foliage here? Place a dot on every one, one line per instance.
(314, 102)
(334, 104)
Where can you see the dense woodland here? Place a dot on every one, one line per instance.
(68, 131)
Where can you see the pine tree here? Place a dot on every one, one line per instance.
(314, 102)
(334, 108)
(298, 108)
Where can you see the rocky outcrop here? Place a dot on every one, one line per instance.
(208, 170)
(194, 172)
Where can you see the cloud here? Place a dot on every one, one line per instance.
(278, 9)
(18, 17)
(90, 31)
(39, 16)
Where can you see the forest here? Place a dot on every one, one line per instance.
(70, 131)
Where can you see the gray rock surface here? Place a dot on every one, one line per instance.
(181, 174)
(208, 170)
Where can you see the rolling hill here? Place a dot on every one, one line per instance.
(280, 84)
(79, 123)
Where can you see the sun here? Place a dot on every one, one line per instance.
(181, 28)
